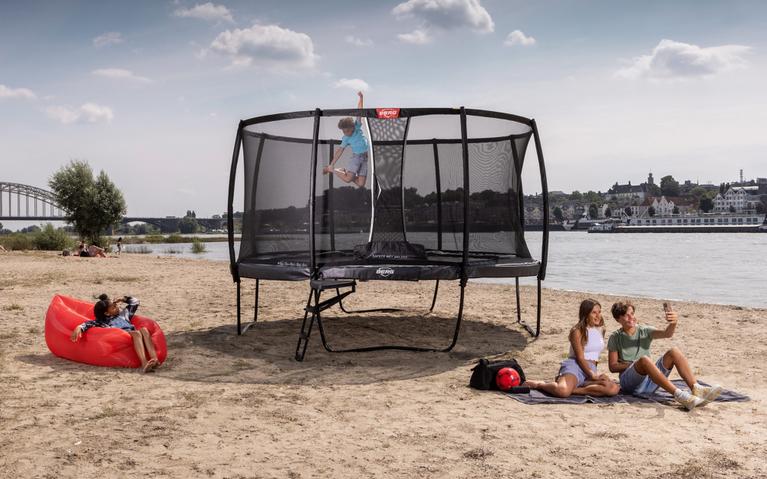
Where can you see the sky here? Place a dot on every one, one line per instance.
(151, 92)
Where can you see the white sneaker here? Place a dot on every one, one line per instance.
(707, 393)
(687, 400)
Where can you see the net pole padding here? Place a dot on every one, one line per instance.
(230, 206)
(313, 187)
(465, 150)
(372, 178)
(438, 185)
(402, 179)
(545, 192)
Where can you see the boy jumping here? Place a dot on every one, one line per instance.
(358, 166)
(629, 354)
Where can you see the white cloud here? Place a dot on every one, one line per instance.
(109, 38)
(416, 37)
(120, 74)
(448, 14)
(87, 113)
(518, 37)
(358, 42)
(206, 11)
(23, 93)
(270, 45)
(676, 60)
(353, 83)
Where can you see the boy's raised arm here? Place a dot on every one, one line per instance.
(360, 102)
(671, 318)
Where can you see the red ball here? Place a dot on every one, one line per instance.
(507, 378)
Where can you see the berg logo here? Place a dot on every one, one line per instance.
(384, 272)
(387, 113)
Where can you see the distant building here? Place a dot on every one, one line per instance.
(739, 198)
(629, 191)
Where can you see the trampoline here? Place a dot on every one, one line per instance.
(442, 201)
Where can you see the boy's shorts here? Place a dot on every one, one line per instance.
(634, 383)
(570, 366)
(358, 164)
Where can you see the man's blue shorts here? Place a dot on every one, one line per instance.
(634, 383)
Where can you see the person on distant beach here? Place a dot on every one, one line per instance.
(109, 315)
(119, 245)
(96, 252)
(578, 373)
(357, 169)
(82, 250)
(629, 354)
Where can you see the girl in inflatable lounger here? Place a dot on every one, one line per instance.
(108, 315)
(578, 373)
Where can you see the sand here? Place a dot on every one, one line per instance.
(231, 407)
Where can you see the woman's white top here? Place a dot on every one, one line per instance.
(595, 343)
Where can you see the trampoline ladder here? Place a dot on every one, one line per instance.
(314, 308)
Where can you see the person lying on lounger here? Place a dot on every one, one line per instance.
(578, 373)
(629, 354)
(109, 315)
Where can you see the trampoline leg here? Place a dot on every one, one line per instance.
(434, 299)
(255, 312)
(303, 336)
(239, 324)
(458, 320)
(519, 311)
(534, 333)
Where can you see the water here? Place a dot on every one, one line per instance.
(726, 268)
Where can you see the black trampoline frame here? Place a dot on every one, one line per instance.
(314, 305)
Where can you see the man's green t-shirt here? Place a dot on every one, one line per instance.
(631, 348)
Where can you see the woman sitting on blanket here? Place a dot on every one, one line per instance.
(578, 373)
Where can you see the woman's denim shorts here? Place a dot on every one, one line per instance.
(570, 366)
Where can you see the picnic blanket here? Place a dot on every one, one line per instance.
(660, 396)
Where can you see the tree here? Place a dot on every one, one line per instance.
(669, 186)
(92, 206)
(608, 212)
(558, 214)
(651, 211)
(188, 225)
(576, 196)
(593, 211)
(675, 210)
(760, 209)
(732, 209)
(706, 204)
(628, 211)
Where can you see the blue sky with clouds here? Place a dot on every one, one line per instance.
(152, 91)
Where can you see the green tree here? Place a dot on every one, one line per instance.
(706, 204)
(52, 239)
(608, 212)
(628, 211)
(558, 214)
(576, 196)
(593, 211)
(675, 210)
(651, 211)
(669, 186)
(188, 225)
(92, 205)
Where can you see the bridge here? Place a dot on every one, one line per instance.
(30, 203)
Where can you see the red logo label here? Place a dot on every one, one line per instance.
(387, 113)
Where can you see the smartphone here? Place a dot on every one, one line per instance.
(667, 307)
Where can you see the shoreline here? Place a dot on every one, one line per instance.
(226, 406)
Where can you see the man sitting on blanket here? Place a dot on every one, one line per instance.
(629, 354)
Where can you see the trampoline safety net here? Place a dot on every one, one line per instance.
(301, 221)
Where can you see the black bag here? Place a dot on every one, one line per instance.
(483, 374)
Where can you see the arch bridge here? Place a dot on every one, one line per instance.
(20, 202)
(31, 203)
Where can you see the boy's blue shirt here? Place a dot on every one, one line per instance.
(356, 140)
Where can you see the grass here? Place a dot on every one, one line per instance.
(138, 249)
(198, 246)
(173, 250)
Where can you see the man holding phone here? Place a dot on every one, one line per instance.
(629, 354)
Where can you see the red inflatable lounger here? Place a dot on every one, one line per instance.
(111, 347)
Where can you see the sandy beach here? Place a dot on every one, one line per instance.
(225, 406)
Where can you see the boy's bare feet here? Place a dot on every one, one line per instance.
(150, 365)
